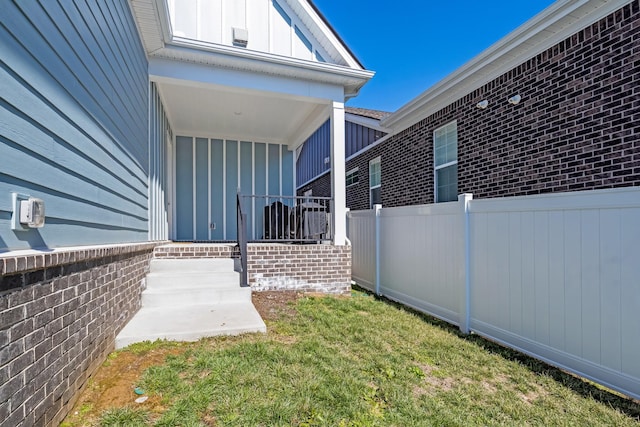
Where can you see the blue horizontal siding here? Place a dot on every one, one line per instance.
(74, 122)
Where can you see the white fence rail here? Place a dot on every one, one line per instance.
(554, 276)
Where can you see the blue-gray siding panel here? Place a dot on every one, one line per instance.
(202, 189)
(231, 189)
(230, 164)
(74, 122)
(217, 189)
(184, 188)
(287, 170)
(260, 172)
(273, 151)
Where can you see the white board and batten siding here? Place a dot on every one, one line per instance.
(555, 276)
(73, 122)
(272, 26)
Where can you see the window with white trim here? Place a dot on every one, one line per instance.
(445, 151)
(352, 177)
(375, 182)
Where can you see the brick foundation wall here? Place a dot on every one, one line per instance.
(307, 268)
(196, 250)
(273, 267)
(59, 315)
(576, 128)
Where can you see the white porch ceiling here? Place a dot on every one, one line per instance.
(223, 112)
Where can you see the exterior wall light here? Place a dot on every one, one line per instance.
(482, 104)
(515, 99)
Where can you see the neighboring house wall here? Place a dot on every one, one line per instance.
(320, 187)
(311, 159)
(60, 312)
(75, 113)
(576, 128)
(209, 173)
(311, 165)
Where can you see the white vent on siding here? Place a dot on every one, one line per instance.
(240, 37)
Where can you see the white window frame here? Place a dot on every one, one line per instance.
(379, 185)
(350, 174)
(437, 167)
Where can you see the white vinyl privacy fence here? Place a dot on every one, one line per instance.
(555, 276)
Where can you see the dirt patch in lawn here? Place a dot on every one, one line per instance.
(273, 305)
(113, 385)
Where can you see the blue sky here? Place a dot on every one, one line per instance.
(413, 44)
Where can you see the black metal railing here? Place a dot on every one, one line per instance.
(242, 240)
(288, 218)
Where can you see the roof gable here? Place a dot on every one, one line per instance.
(284, 38)
(289, 28)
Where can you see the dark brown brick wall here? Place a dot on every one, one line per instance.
(576, 128)
(59, 315)
(321, 187)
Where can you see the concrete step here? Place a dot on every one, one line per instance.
(193, 295)
(172, 265)
(179, 280)
(190, 323)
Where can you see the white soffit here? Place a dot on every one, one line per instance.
(148, 24)
(222, 112)
(554, 24)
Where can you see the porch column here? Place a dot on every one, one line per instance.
(338, 189)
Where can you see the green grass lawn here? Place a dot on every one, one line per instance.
(361, 361)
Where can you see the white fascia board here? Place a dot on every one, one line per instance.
(197, 75)
(554, 24)
(311, 19)
(230, 57)
(365, 121)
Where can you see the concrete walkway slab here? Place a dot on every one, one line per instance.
(190, 323)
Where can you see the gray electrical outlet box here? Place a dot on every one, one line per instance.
(28, 212)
